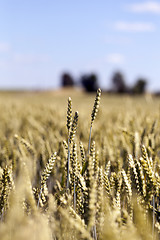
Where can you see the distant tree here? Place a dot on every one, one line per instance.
(90, 82)
(140, 86)
(118, 82)
(67, 80)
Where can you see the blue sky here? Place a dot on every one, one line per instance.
(40, 39)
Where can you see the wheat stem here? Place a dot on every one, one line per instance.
(89, 143)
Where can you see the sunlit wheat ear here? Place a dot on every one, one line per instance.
(107, 184)
(135, 177)
(116, 183)
(146, 164)
(82, 153)
(46, 173)
(73, 127)
(157, 227)
(145, 155)
(126, 183)
(151, 183)
(112, 180)
(69, 114)
(81, 181)
(128, 189)
(65, 145)
(70, 139)
(141, 178)
(108, 168)
(40, 199)
(94, 113)
(7, 184)
(69, 124)
(48, 169)
(96, 106)
(81, 188)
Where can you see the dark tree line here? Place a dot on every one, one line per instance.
(119, 85)
(67, 80)
(90, 83)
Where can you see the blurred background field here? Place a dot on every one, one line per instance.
(116, 111)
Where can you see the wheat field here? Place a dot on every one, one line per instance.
(78, 166)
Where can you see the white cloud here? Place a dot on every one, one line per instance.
(4, 47)
(115, 58)
(148, 7)
(134, 26)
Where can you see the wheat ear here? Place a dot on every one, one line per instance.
(46, 173)
(94, 113)
(70, 139)
(69, 124)
(69, 114)
(82, 153)
(7, 185)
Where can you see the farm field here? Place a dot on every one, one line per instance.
(109, 190)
